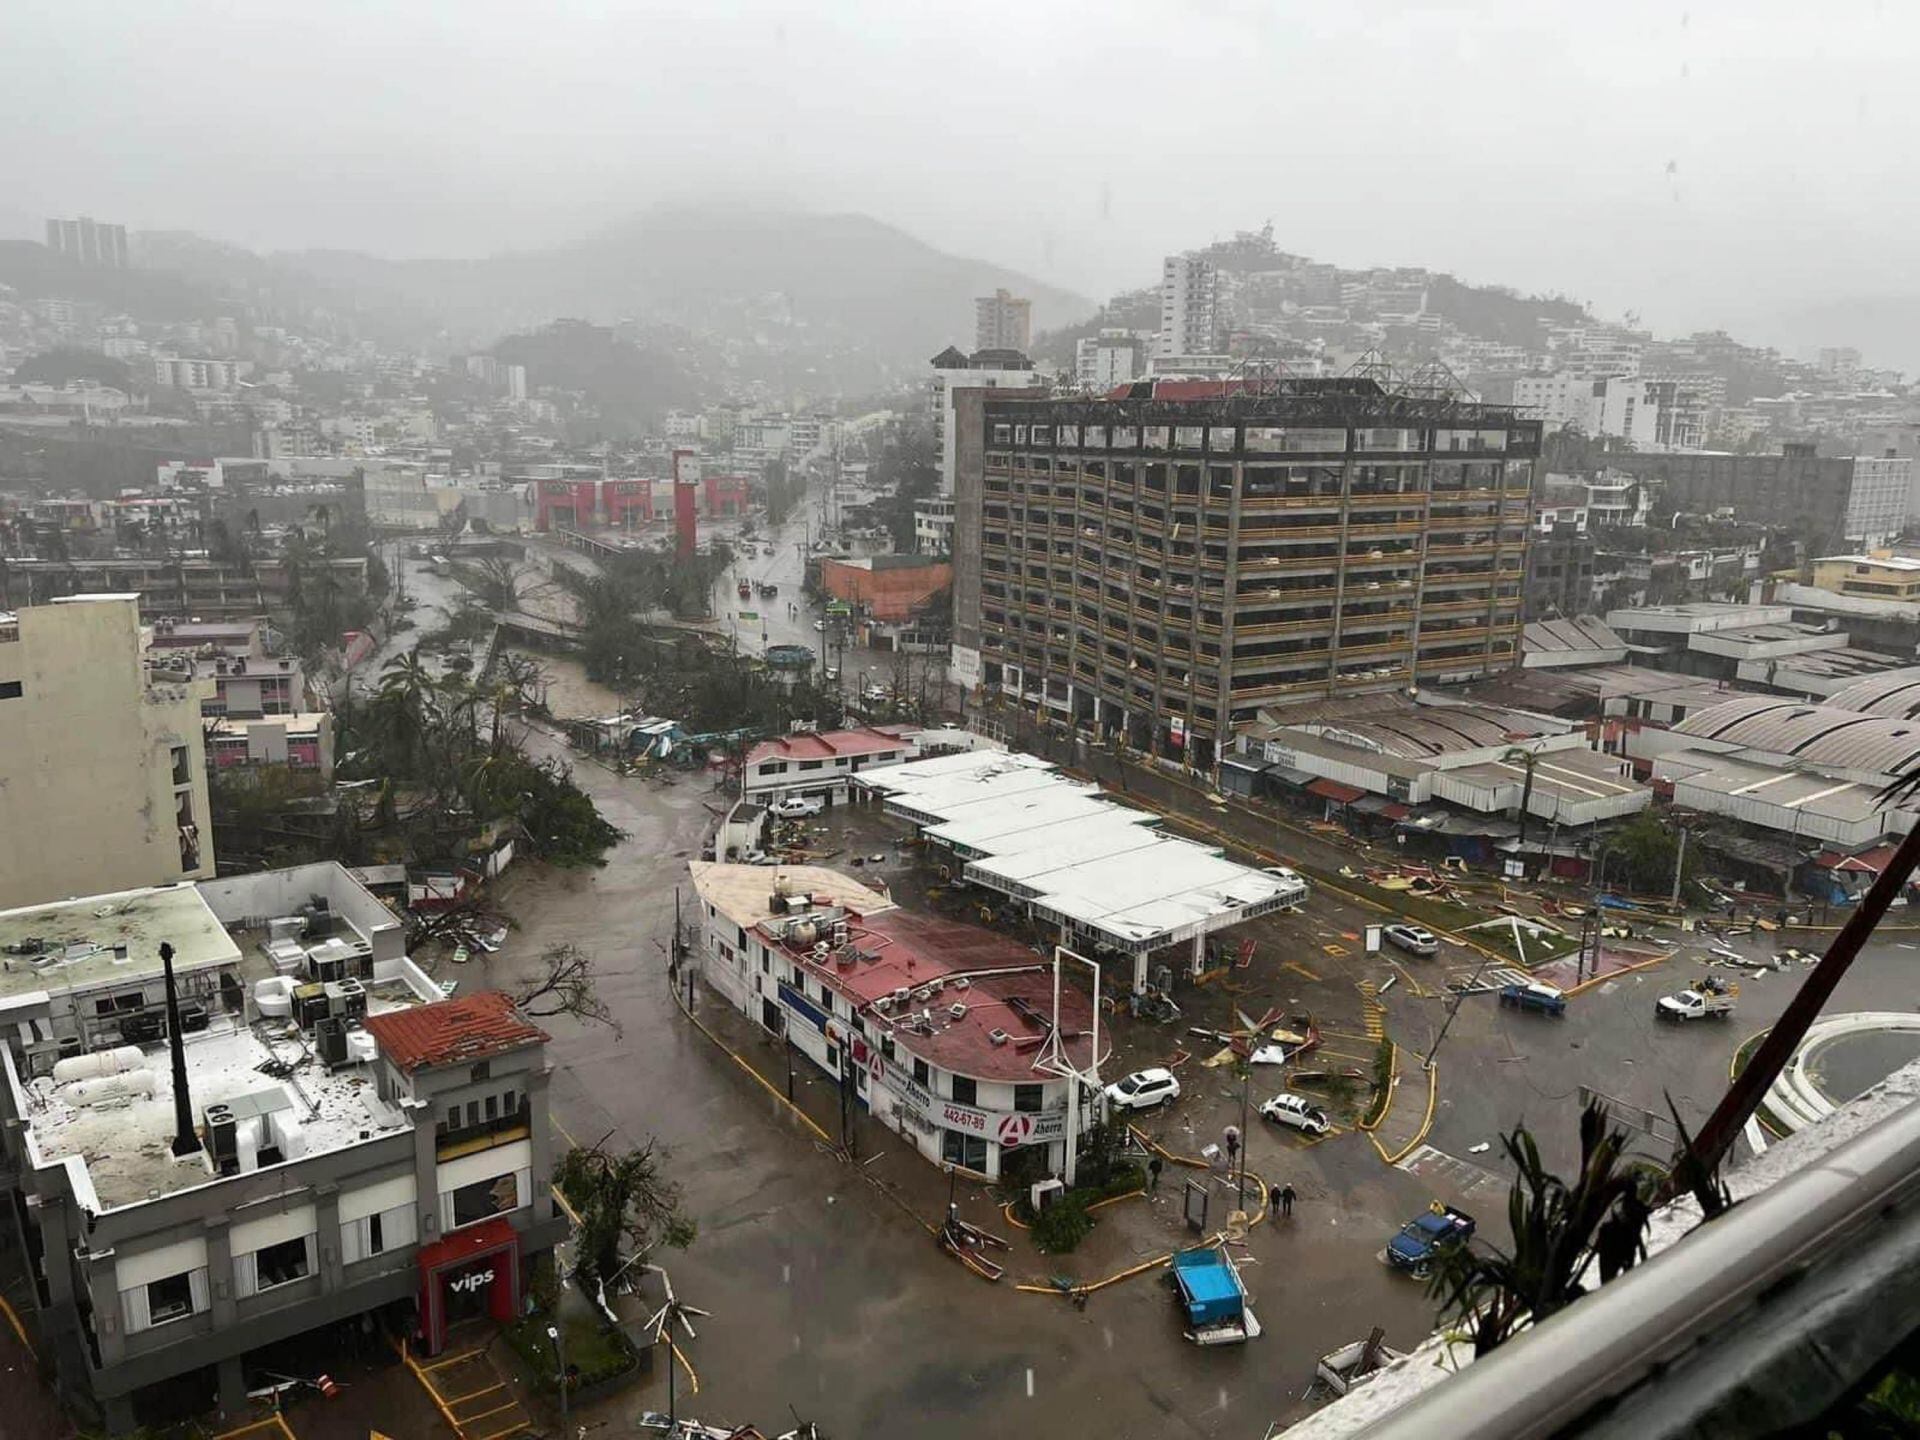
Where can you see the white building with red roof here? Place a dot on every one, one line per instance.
(819, 762)
(941, 1029)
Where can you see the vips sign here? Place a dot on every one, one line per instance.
(1008, 1128)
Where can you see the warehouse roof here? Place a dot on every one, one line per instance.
(1819, 734)
(1572, 640)
(1896, 693)
(1845, 801)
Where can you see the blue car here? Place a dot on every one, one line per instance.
(1423, 1239)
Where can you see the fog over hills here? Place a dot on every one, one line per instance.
(831, 281)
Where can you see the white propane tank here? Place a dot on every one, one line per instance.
(361, 1047)
(99, 1062)
(105, 1089)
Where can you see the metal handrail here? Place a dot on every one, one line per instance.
(1631, 1332)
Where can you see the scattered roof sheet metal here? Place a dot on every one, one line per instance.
(453, 1032)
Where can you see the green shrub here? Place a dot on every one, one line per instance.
(1062, 1225)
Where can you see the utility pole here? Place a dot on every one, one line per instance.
(1679, 865)
(1246, 1083)
(1452, 1010)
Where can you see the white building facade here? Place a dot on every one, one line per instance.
(1189, 307)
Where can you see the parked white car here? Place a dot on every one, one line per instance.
(1297, 1111)
(1414, 939)
(1144, 1089)
(798, 807)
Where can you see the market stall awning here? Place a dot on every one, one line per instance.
(1290, 776)
(1867, 862)
(1335, 791)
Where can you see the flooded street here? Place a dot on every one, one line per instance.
(825, 1295)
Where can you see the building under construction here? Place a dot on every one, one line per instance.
(1165, 561)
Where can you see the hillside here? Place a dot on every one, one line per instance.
(824, 282)
(630, 387)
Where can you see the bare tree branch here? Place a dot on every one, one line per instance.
(564, 987)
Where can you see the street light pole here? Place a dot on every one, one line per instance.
(1246, 1084)
(560, 1359)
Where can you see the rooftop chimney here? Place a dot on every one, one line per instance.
(186, 1141)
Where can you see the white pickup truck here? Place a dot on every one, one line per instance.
(1710, 997)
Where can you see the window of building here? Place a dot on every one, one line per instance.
(920, 1072)
(811, 764)
(966, 1150)
(282, 1264)
(169, 1299)
(1027, 1097)
(10, 690)
(482, 1071)
(774, 767)
(507, 1103)
(965, 1090)
(493, 1107)
(376, 1235)
(484, 1199)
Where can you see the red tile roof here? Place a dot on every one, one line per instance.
(453, 1032)
(831, 743)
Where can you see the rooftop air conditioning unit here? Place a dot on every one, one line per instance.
(957, 1010)
(902, 995)
(998, 1036)
(925, 992)
(883, 1004)
(960, 982)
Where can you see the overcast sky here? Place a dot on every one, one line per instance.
(1703, 165)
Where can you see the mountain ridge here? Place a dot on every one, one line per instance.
(836, 281)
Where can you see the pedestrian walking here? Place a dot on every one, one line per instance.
(1153, 1173)
(1233, 1143)
(1286, 1202)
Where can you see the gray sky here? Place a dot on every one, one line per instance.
(1714, 164)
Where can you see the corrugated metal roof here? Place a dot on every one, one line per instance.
(1821, 734)
(1580, 632)
(1897, 693)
